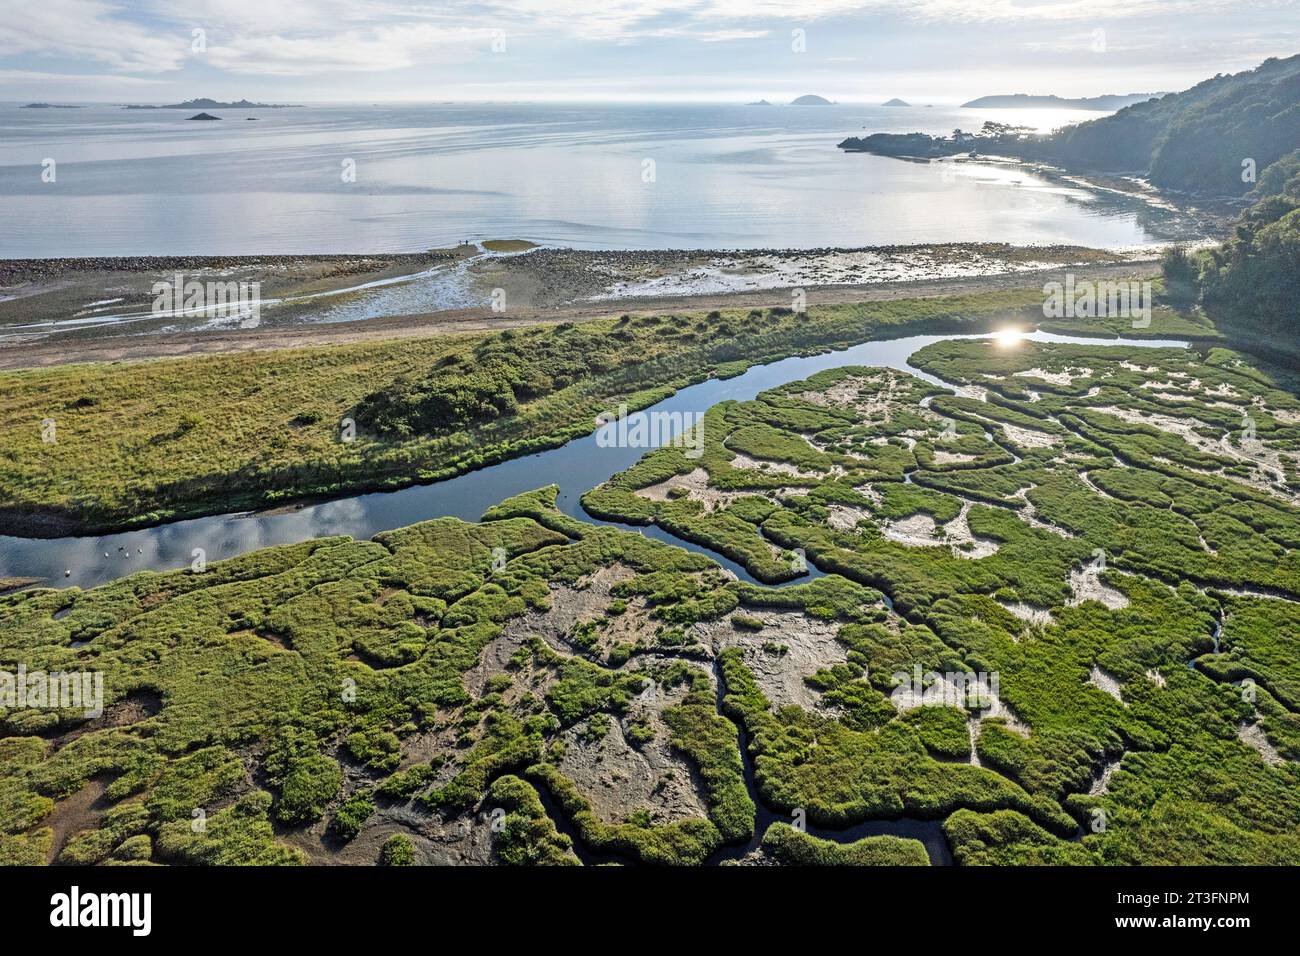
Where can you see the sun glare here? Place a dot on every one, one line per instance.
(1008, 338)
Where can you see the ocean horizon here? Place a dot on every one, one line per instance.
(402, 178)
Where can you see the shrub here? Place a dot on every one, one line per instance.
(356, 810)
(310, 785)
(398, 850)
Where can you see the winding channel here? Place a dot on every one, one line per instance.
(575, 467)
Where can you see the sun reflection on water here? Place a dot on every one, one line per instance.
(1008, 338)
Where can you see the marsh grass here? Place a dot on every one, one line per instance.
(146, 441)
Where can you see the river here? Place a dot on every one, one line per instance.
(575, 467)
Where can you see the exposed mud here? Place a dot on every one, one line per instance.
(745, 462)
(712, 273)
(620, 778)
(81, 811)
(845, 517)
(964, 543)
(1029, 613)
(1028, 513)
(1101, 782)
(920, 531)
(1064, 377)
(569, 606)
(790, 647)
(1105, 682)
(463, 841)
(872, 397)
(276, 640)
(1029, 438)
(1083, 476)
(132, 709)
(1252, 735)
(952, 458)
(695, 487)
(559, 300)
(917, 531)
(1085, 585)
(951, 693)
(1269, 468)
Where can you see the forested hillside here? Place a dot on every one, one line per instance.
(1251, 283)
(1195, 141)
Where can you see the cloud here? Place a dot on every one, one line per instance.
(383, 48)
(706, 36)
(292, 38)
(92, 31)
(979, 11)
(36, 79)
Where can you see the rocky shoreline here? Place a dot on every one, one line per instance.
(549, 278)
(97, 301)
(34, 269)
(15, 271)
(102, 306)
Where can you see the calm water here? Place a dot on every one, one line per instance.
(575, 467)
(152, 182)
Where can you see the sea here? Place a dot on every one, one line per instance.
(107, 181)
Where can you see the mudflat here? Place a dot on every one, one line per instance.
(297, 324)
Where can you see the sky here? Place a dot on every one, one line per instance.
(942, 51)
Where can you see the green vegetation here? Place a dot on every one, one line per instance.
(1090, 450)
(507, 245)
(398, 850)
(1096, 523)
(352, 816)
(1251, 283)
(1194, 141)
(141, 442)
(526, 836)
(794, 848)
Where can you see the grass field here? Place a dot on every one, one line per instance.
(1100, 532)
(142, 442)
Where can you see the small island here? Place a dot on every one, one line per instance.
(203, 116)
(998, 138)
(759, 103)
(209, 104)
(1025, 101)
(896, 102)
(49, 106)
(811, 99)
